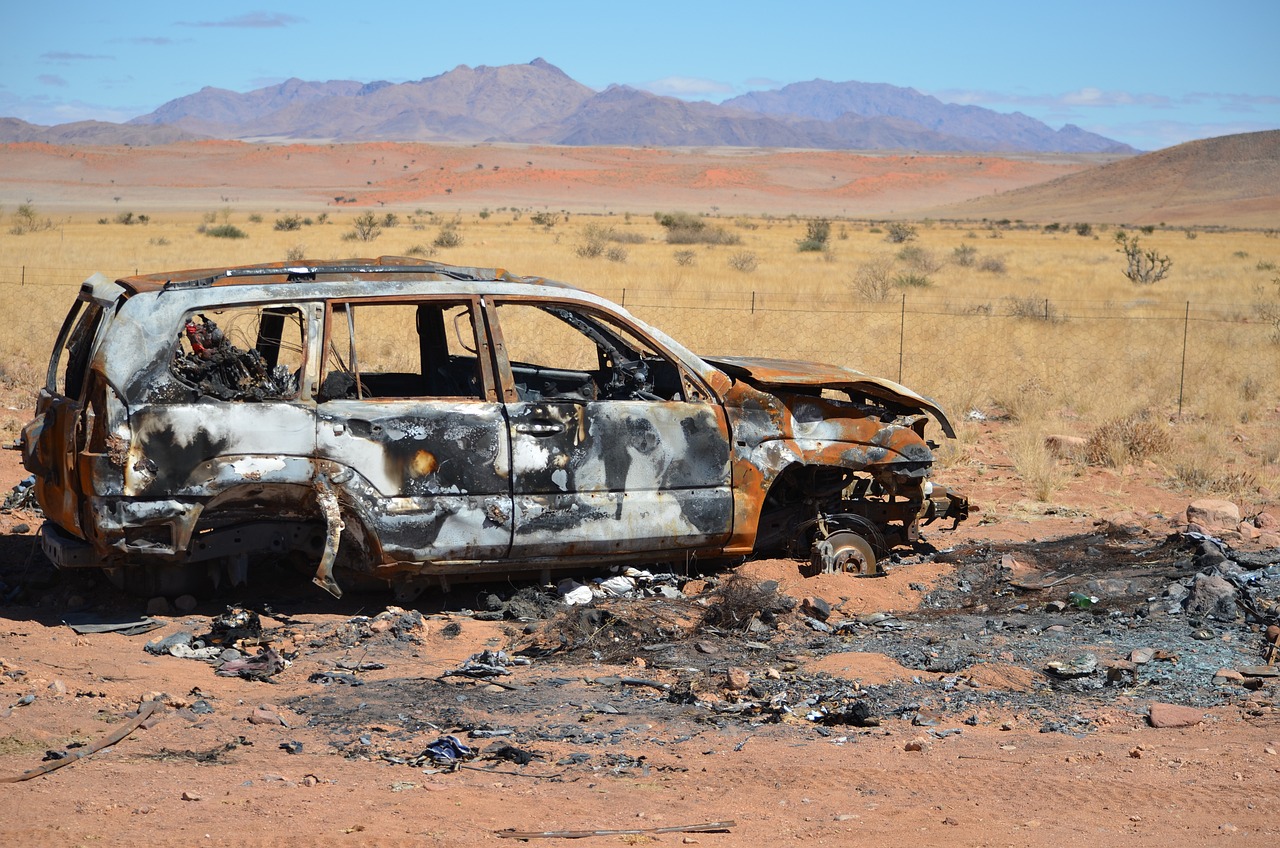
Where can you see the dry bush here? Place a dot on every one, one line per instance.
(1206, 476)
(1121, 441)
(744, 261)
(1042, 474)
(1028, 401)
(685, 257)
(873, 280)
(626, 237)
(702, 235)
(1032, 308)
(920, 259)
(449, 235)
(992, 264)
(740, 599)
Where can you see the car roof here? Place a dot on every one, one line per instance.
(307, 271)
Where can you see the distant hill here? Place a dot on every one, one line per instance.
(1233, 177)
(981, 129)
(539, 103)
(91, 132)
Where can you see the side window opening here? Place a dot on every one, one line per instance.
(244, 353)
(70, 383)
(564, 352)
(402, 350)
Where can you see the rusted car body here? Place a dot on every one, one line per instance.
(421, 423)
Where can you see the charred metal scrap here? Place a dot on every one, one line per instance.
(424, 423)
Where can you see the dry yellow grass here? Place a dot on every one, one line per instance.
(975, 338)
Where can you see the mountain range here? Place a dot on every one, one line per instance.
(538, 103)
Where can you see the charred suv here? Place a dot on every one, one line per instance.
(419, 423)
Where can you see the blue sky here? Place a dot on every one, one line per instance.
(1151, 74)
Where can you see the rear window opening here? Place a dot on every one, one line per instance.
(246, 353)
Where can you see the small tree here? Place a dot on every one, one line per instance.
(27, 220)
(366, 227)
(897, 232)
(1143, 267)
(817, 233)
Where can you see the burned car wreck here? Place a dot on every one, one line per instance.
(420, 423)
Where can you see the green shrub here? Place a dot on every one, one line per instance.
(226, 231)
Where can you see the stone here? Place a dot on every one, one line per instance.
(1212, 596)
(1142, 656)
(1269, 540)
(1265, 521)
(1065, 447)
(736, 678)
(1121, 524)
(1248, 532)
(261, 715)
(917, 744)
(1227, 674)
(185, 603)
(694, 587)
(188, 795)
(1172, 715)
(1213, 515)
(816, 607)
(158, 606)
(57, 687)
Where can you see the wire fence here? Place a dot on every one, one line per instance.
(966, 352)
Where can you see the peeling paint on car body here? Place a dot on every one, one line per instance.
(216, 414)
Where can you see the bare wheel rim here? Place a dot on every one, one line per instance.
(852, 553)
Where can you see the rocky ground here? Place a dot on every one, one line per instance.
(1060, 680)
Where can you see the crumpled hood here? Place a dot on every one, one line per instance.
(783, 373)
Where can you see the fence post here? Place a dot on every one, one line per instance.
(753, 303)
(624, 298)
(902, 334)
(1182, 380)
(23, 281)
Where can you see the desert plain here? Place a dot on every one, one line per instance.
(994, 283)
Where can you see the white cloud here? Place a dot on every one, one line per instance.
(677, 86)
(62, 57)
(250, 20)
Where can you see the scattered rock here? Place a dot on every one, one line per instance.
(1081, 665)
(1213, 515)
(158, 606)
(265, 715)
(1121, 524)
(1172, 715)
(185, 603)
(57, 687)
(816, 607)
(188, 795)
(1142, 656)
(1211, 596)
(1065, 447)
(737, 679)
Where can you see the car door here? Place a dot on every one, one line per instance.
(53, 440)
(608, 453)
(408, 403)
